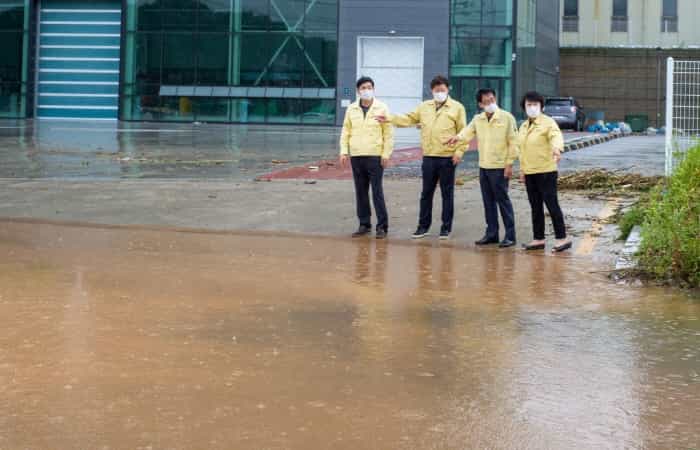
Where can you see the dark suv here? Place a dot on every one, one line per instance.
(566, 111)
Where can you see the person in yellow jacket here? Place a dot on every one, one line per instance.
(541, 143)
(439, 119)
(367, 144)
(495, 130)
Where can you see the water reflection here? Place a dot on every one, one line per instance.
(128, 338)
(65, 149)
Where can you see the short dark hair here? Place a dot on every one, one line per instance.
(533, 97)
(364, 80)
(483, 92)
(438, 80)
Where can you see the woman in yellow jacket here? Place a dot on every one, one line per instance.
(541, 143)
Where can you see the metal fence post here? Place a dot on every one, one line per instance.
(669, 117)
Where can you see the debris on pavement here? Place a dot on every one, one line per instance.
(602, 179)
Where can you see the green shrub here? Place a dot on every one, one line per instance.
(670, 248)
(635, 215)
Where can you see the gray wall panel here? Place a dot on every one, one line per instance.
(429, 19)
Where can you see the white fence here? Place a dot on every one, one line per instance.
(682, 110)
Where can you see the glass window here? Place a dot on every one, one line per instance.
(318, 112)
(176, 4)
(11, 16)
(571, 8)
(619, 8)
(669, 16)
(255, 110)
(481, 44)
(286, 64)
(255, 14)
(479, 51)
(213, 15)
(13, 59)
(287, 15)
(11, 56)
(178, 58)
(10, 99)
(619, 18)
(176, 109)
(482, 12)
(270, 44)
(149, 56)
(670, 8)
(178, 19)
(322, 17)
(320, 66)
(253, 64)
(284, 110)
(212, 58)
(149, 19)
(211, 109)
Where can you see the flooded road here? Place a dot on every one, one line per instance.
(134, 338)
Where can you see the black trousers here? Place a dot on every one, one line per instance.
(368, 171)
(437, 169)
(542, 188)
(494, 193)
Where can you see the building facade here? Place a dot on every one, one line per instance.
(264, 61)
(630, 23)
(613, 53)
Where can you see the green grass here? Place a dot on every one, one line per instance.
(670, 220)
(633, 216)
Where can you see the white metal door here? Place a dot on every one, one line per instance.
(396, 66)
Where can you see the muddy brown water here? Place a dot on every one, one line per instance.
(132, 338)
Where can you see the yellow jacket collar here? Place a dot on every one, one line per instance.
(496, 116)
(449, 102)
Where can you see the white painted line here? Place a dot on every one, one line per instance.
(95, 47)
(75, 107)
(60, 22)
(125, 130)
(82, 10)
(100, 83)
(80, 34)
(78, 71)
(59, 58)
(63, 94)
(86, 119)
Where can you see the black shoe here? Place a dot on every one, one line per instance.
(420, 233)
(444, 235)
(381, 233)
(486, 241)
(533, 247)
(363, 230)
(562, 247)
(505, 243)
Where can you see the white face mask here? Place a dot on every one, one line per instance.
(533, 111)
(367, 94)
(440, 96)
(491, 108)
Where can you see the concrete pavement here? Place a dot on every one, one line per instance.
(638, 154)
(201, 177)
(290, 206)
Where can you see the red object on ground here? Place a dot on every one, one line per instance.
(331, 170)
